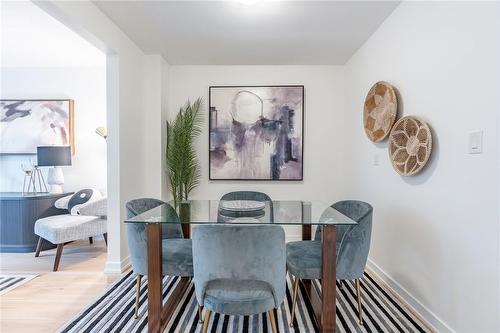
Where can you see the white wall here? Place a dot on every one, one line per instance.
(165, 71)
(154, 80)
(323, 125)
(87, 87)
(126, 105)
(435, 234)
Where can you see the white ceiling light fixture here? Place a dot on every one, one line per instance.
(248, 2)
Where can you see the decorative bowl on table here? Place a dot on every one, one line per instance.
(242, 205)
(231, 209)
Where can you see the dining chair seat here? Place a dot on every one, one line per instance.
(303, 259)
(239, 297)
(177, 257)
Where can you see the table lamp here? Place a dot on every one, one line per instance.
(55, 157)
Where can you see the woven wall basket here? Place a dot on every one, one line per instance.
(410, 145)
(380, 111)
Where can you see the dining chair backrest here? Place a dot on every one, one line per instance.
(239, 252)
(246, 195)
(353, 242)
(137, 235)
(251, 195)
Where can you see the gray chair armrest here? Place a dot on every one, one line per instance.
(95, 208)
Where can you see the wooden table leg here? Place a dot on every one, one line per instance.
(185, 216)
(154, 278)
(306, 235)
(306, 232)
(328, 288)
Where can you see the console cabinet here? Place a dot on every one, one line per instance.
(18, 214)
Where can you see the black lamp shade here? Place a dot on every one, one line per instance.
(53, 155)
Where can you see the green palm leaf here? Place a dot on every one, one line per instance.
(182, 161)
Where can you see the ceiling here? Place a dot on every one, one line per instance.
(32, 38)
(249, 32)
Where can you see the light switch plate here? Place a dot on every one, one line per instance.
(476, 142)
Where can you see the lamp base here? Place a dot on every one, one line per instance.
(55, 179)
(56, 189)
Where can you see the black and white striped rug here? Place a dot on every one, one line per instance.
(9, 282)
(113, 312)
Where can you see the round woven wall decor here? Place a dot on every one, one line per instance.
(380, 112)
(410, 145)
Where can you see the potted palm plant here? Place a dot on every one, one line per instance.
(182, 161)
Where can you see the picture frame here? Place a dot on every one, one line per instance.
(256, 132)
(28, 123)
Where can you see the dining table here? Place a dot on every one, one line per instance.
(303, 214)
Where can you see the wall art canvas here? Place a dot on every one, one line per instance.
(26, 124)
(256, 132)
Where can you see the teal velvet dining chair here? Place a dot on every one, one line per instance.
(176, 251)
(239, 269)
(303, 258)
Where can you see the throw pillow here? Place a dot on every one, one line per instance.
(81, 197)
(62, 203)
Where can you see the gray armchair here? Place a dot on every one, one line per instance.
(303, 258)
(62, 229)
(239, 269)
(248, 195)
(176, 251)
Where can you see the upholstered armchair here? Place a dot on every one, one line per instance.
(62, 229)
(239, 269)
(176, 251)
(303, 258)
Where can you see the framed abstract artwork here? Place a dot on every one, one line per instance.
(28, 123)
(256, 132)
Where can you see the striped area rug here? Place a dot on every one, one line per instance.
(113, 312)
(9, 282)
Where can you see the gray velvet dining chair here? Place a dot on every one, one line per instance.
(303, 258)
(249, 195)
(176, 251)
(239, 269)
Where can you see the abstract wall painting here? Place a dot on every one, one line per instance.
(256, 132)
(26, 124)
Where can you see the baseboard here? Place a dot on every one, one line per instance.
(117, 267)
(431, 319)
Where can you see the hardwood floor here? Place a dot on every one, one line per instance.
(47, 302)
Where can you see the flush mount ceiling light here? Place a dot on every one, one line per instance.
(248, 2)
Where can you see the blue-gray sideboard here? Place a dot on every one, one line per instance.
(18, 214)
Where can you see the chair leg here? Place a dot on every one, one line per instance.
(39, 247)
(294, 298)
(105, 235)
(207, 320)
(91, 240)
(137, 295)
(200, 314)
(272, 320)
(360, 309)
(58, 256)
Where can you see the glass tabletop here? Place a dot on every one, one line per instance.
(244, 211)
